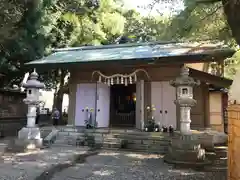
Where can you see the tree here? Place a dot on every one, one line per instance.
(10, 15)
(204, 20)
(139, 28)
(231, 9)
(25, 45)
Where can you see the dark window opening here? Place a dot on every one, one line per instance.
(184, 91)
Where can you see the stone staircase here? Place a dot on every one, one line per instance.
(218, 157)
(49, 135)
(127, 140)
(118, 139)
(45, 131)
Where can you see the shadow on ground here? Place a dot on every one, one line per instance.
(108, 165)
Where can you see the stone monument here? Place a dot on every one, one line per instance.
(185, 147)
(30, 137)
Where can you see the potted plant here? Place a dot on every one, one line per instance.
(89, 121)
(151, 126)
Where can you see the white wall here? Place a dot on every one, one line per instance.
(47, 97)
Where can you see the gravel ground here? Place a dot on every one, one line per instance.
(109, 165)
(29, 166)
(59, 163)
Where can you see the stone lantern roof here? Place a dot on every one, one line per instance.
(33, 81)
(184, 79)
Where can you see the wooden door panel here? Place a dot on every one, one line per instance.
(156, 100)
(140, 104)
(85, 98)
(79, 115)
(169, 108)
(103, 105)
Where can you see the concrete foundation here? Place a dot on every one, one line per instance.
(28, 139)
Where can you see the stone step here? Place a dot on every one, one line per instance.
(121, 136)
(45, 133)
(135, 141)
(220, 162)
(147, 148)
(217, 165)
(220, 148)
(218, 158)
(117, 136)
(210, 156)
(142, 137)
(75, 129)
(110, 145)
(61, 145)
(115, 132)
(136, 146)
(112, 140)
(221, 151)
(218, 152)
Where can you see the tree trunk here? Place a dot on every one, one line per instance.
(58, 96)
(232, 11)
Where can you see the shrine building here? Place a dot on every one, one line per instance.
(117, 83)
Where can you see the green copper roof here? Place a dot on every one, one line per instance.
(143, 51)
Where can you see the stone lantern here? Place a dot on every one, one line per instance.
(185, 148)
(31, 134)
(184, 85)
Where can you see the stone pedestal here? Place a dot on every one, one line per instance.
(31, 116)
(185, 149)
(210, 138)
(28, 139)
(185, 119)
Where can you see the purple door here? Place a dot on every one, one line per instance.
(85, 100)
(103, 105)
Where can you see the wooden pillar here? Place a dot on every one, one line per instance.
(147, 98)
(206, 106)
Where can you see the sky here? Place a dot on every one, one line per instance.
(165, 8)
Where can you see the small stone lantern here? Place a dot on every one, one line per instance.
(31, 133)
(184, 85)
(32, 100)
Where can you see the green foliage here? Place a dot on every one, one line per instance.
(232, 65)
(145, 29)
(47, 24)
(199, 22)
(204, 20)
(10, 14)
(31, 29)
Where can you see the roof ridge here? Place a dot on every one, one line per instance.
(113, 46)
(110, 46)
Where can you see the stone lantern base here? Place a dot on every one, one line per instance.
(28, 139)
(210, 138)
(185, 150)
